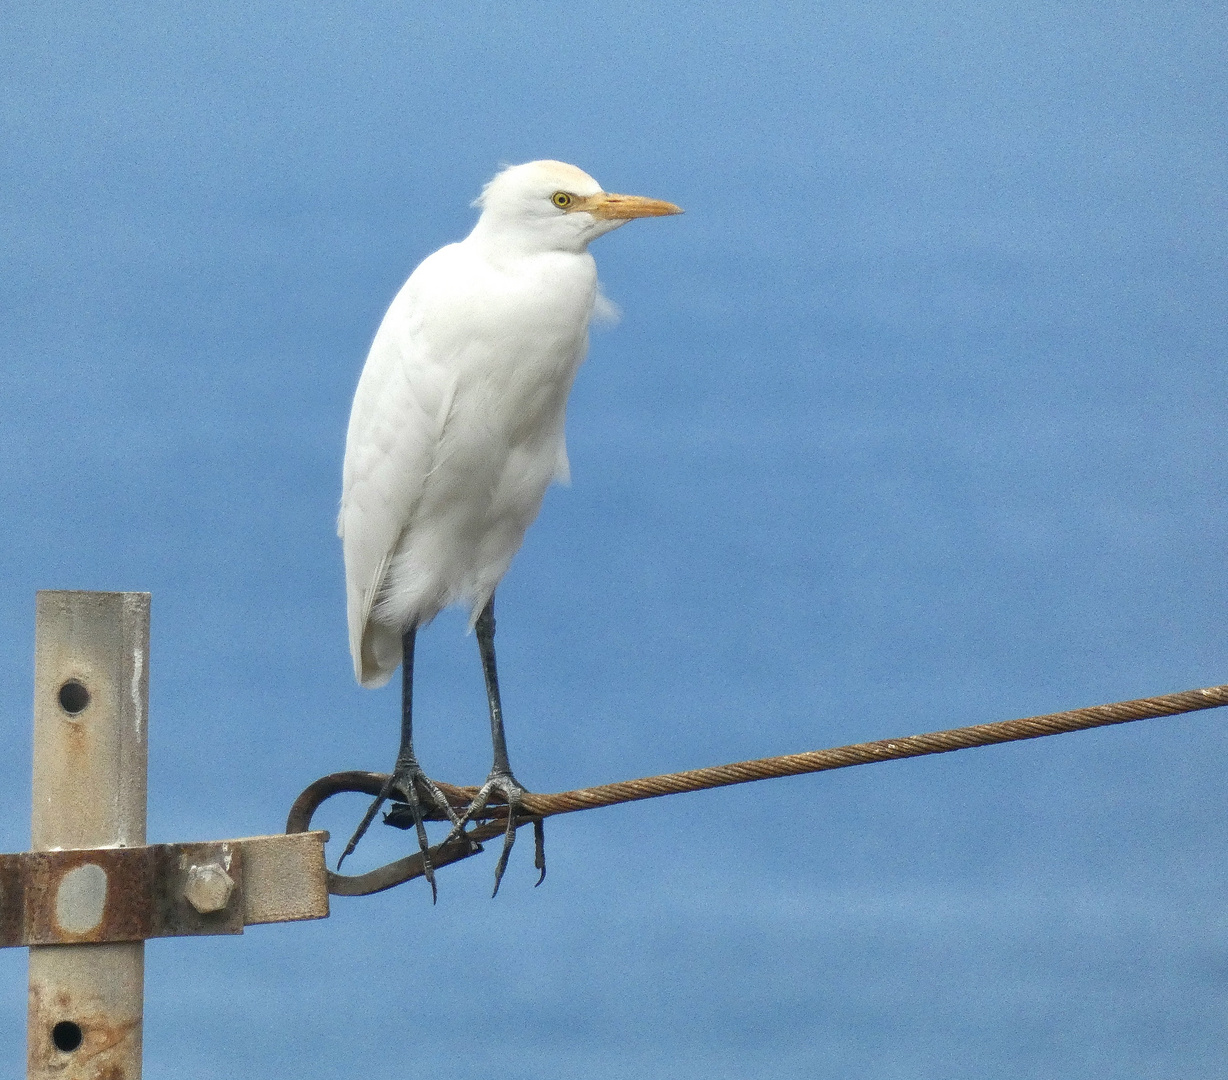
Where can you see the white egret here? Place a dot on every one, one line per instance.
(455, 434)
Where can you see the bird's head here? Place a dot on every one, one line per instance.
(552, 206)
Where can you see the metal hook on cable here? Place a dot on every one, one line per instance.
(394, 873)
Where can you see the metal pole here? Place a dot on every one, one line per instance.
(91, 696)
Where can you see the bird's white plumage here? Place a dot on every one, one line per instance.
(457, 424)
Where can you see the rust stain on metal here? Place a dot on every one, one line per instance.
(125, 914)
(103, 1041)
(12, 901)
(76, 739)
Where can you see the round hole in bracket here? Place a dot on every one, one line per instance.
(74, 697)
(67, 1036)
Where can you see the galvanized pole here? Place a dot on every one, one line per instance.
(91, 693)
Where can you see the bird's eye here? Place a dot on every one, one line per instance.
(561, 199)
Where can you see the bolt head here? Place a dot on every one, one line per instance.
(208, 888)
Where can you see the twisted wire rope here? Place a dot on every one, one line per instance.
(840, 757)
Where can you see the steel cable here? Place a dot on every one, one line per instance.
(650, 787)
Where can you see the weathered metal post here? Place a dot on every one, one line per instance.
(91, 891)
(91, 696)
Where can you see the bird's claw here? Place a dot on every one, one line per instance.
(539, 850)
(512, 792)
(404, 781)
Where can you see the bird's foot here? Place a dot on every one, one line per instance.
(410, 783)
(510, 790)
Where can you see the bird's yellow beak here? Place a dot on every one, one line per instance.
(609, 206)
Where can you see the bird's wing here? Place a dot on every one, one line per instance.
(400, 407)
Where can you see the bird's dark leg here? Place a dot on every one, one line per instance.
(500, 780)
(407, 773)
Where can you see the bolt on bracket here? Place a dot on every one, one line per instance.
(161, 890)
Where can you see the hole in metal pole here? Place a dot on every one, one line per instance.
(67, 1036)
(74, 697)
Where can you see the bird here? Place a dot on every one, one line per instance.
(455, 433)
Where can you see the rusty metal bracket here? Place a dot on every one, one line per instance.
(97, 895)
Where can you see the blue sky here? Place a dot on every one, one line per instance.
(913, 420)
